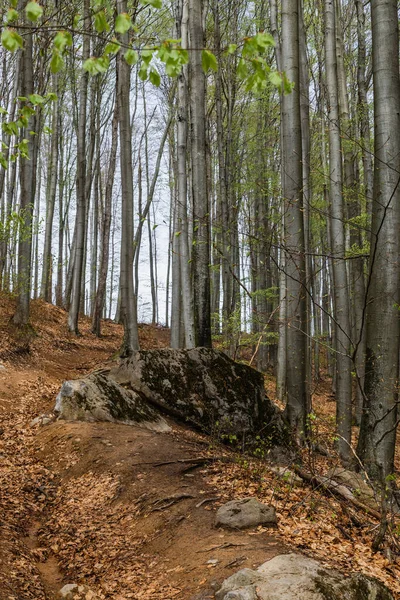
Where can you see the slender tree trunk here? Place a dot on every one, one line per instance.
(292, 180)
(106, 226)
(341, 288)
(377, 438)
(201, 250)
(27, 193)
(182, 183)
(81, 200)
(128, 301)
(45, 288)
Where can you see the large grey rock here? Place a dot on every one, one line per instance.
(98, 398)
(206, 388)
(245, 513)
(293, 576)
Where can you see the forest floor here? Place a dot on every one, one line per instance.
(88, 503)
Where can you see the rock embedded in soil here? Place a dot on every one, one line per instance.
(73, 591)
(245, 513)
(205, 388)
(293, 576)
(98, 398)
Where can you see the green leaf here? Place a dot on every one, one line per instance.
(14, 3)
(143, 72)
(275, 79)
(3, 161)
(56, 63)
(147, 55)
(11, 40)
(100, 22)
(3, 111)
(112, 48)
(264, 40)
(155, 78)
(287, 85)
(123, 23)
(12, 15)
(33, 11)
(94, 66)
(242, 69)
(231, 49)
(153, 3)
(52, 97)
(131, 57)
(23, 148)
(62, 40)
(36, 99)
(10, 128)
(208, 61)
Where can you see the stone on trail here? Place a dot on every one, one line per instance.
(98, 398)
(73, 591)
(245, 513)
(2, 367)
(293, 576)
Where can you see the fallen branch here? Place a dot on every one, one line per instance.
(340, 491)
(222, 547)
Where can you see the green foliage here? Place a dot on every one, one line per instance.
(173, 56)
(12, 15)
(131, 57)
(153, 3)
(33, 11)
(356, 250)
(100, 22)
(270, 294)
(112, 47)
(11, 40)
(61, 41)
(208, 61)
(94, 66)
(123, 23)
(254, 69)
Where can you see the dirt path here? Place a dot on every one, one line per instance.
(88, 503)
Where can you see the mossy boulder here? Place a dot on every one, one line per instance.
(293, 576)
(201, 387)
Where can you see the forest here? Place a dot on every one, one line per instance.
(227, 171)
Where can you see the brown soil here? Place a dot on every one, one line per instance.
(87, 503)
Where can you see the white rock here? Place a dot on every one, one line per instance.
(295, 577)
(68, 591)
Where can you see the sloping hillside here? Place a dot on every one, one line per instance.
(129, 512)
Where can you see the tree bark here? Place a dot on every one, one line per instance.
(379, 420)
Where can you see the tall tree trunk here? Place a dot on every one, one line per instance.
(128, 302)
(201, 250)
(182, 183)
(341, 289)
(27, 193)
(81, 200)
(45, 288)
(292, 184)
(379, 419)
(105, 227)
